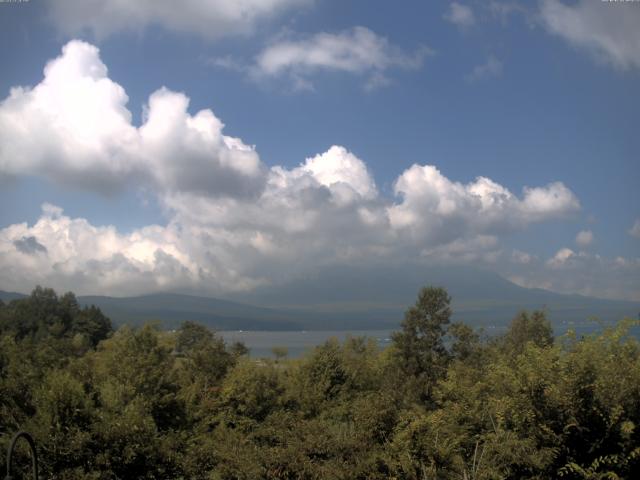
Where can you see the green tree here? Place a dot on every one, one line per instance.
(320, 378)
(238, 349)
(138, 427)
(280, 353)
(251, 391)
(525, 327)
(91, 324)
(62, 423)
(419, 347)
(465, 342)
(191, 335)
(44, 315)
(206, 357)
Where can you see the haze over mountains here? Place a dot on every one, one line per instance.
(348, 298)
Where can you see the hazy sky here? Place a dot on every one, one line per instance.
(215, 146)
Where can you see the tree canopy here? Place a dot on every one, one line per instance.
(442, 402)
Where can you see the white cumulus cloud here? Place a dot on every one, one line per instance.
(74, 127)
(634, 231)
(434, 207)
(562, 258)
(232, 222)
(77, 255)
(338, 169)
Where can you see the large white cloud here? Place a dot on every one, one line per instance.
(74, 127)
(74, 123)
(357, 50)
(342, 172)
(74, 254)
(233, 222)
(438, 209)
(189, 153)
(608, 30)
(208, 18)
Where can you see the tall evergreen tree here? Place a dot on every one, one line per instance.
(419, 346)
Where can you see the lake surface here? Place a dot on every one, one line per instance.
(297, 343)
(260, 343)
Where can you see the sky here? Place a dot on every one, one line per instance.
(219, 146)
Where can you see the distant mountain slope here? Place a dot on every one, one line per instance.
(346, 298)
(479, 296)
(8, 296)
(172, 309)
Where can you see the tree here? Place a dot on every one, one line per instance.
(191, 335)
(134, 381)
(205, 351)
(92, 324)
(419, 347)
(62, 423)
(250, 391)
(44, 315)
(280, 353)
(238, 349)
(321, 378)
(526, 328)
(465, 342)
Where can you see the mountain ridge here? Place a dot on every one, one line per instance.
(344, 298)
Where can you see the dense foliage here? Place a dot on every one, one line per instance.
(440, 403)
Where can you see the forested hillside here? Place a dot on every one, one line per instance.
(443, 402)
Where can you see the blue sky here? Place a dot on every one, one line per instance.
(420, 101)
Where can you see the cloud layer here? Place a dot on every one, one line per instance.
(460, 15)
(233, 222)
(210, 19)
(357, 51)
(489, 69)
(608, 30)
(584, 238)
(586, 273)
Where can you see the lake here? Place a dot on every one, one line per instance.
(298, 343)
